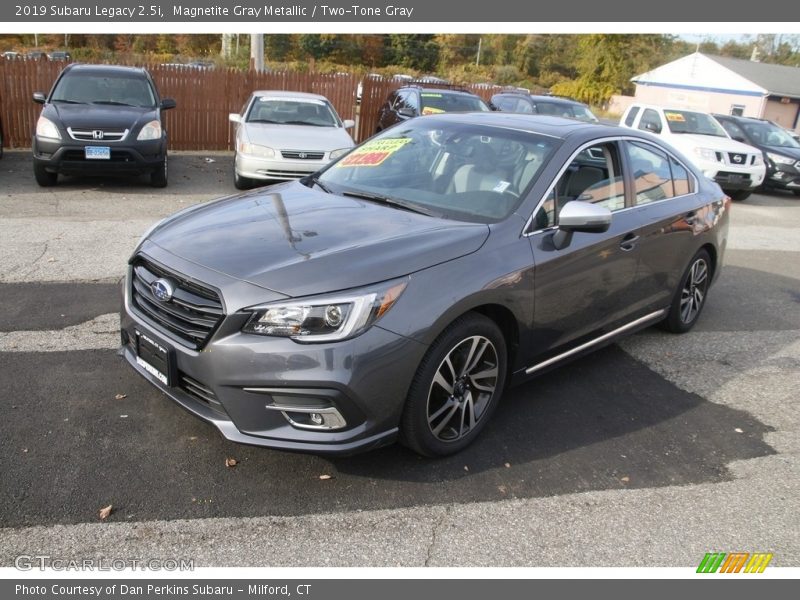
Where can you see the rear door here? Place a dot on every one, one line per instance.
(590, 286)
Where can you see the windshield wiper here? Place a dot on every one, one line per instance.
(303, 123)
(315, 180)
(389, 201)
(262, 121)
(111, 102)
(65, 101)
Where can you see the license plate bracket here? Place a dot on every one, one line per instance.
(97, 152)
(156, 358)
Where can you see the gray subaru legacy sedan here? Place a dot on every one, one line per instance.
(397, 292)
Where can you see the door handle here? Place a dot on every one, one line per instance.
(628, 243)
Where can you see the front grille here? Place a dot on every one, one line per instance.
(97, 135)
(190, 316)
(302, 155)
(283, 173)
(737, 159)
(200, 392)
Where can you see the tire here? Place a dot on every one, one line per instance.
(241, 183)
(796, 192)
(158, 178)
(44, 177)
(447, 407)
(690, 297)
(739, 195)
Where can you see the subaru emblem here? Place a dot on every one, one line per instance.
(162, 289)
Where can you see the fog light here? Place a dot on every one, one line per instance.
(317, 419)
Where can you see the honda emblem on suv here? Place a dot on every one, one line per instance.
(97, 134)
(162, 290)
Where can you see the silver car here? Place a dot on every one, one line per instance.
(396, 293)
(286, 135)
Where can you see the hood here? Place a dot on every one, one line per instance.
(297, 137)
(99, 116)
(297, 241)
(714, 142)
(790, 152)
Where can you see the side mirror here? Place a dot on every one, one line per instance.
(580, 216)
(234, 117)
(39, 97)
(167, 103)
(653, 127)
(348, 123)
(407, 112)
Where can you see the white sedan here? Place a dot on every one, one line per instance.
(286, 135)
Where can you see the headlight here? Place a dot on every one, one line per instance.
(47, 129)
(324, 319)
(339, 153)
(706, 154)
(759, 160)
(780, 159)
(151, 131)
(256, 150)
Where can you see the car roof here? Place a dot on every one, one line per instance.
(558, 127)
(541, 97)
(743, 118)
(436, 89)
(109, 69)
(285, 94)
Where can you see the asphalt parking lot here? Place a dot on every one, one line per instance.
(647, 453)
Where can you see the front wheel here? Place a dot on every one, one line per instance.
(456, 388)
(796, 192)
(739, 195)
(158, 178)
(690, 297)
(44, 177)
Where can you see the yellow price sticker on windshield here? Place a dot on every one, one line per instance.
(671, 116)
(373, 153)
(429, 110)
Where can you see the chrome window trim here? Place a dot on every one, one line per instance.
(526, 233)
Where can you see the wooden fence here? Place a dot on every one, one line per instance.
(205, 97)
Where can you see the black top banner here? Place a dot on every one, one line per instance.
(402, 11)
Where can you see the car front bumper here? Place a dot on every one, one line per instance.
(733, 177)
(278, 169)
(248, 385)
(784, 176)
(69, 157)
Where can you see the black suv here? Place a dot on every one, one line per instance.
(523, 102)
(414, 100)
(101, 119)
(781, 150)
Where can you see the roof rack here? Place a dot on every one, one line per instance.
(445, 86)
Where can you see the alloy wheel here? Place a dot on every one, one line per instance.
(694, 289)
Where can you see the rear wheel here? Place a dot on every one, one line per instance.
(690, 297)
(44, 177)
(158, 178)
(739, 195)
(456, 388)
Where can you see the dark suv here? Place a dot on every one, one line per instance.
(414, 100)
(101, 119)
(523, 102)
(781, 150)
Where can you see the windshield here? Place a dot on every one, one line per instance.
(562, 109)
(466, 172)
(439, 102)
(292, 111)
(95, 88)
(686, 121)
(768, 134)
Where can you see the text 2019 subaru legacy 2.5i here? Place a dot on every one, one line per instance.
(397, 292)
(101, 120)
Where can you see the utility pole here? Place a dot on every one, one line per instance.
(257, 52)
(478, 59)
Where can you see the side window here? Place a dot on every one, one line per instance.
(505, 103)
(680, 178)
(393, 100)
(631, 116)
(733, 130)
(652, 177)
(412, 101)
(523, 106)
(650, 121)
(593, 176)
